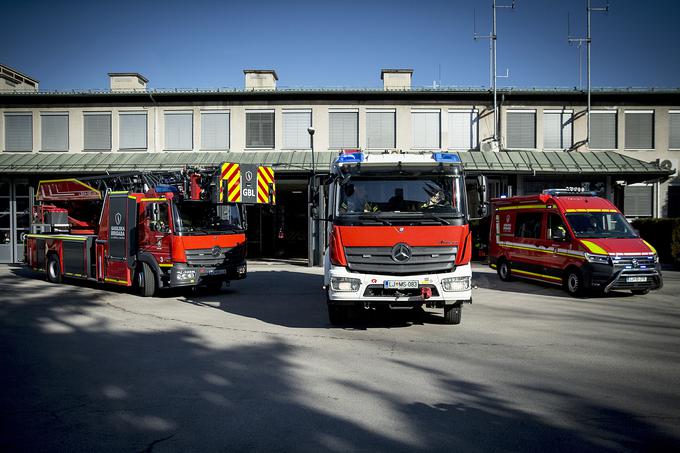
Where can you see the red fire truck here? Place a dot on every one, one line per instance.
(149, 230)
(570, 238)
(399, 234)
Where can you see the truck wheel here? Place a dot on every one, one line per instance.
(573, 283)
(504, 271)
(639, 292)
(53, 269)
(338, 314)
(452, 313)
(146, 280)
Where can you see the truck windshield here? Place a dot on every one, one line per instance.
(439, 196)
(600, 225)
(203, 217)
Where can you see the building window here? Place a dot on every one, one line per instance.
(344, 129)
(18, 132)
(425, 127)
(97, 131)
(521, 129)
(557, 129)
(54, 131)
(463, 126)
(132, 130)
(380, 129)
(638, 200)
(260, 129)
(214, 130)
(674, 129)
(639, 129)
(602, 129)
(179, 128)
(295, 124)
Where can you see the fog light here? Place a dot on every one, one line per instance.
(185, 274)
(456, 283)
(345, 284)
(241, 269)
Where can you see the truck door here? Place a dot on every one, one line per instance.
(556, 238)
(154, 229)
(121, 246)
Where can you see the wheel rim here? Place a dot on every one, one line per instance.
(504, 270)
(572, 283)
(140, 279)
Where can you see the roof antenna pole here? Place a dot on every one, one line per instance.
(588, 41)
(493, 37)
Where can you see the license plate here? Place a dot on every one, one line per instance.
(400, 284)
(636, 279)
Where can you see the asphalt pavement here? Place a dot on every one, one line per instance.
(257, 367)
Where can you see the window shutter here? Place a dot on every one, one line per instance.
(603, 130)
(521, 130)
(380, 130)
(259, 129)
(344, 130)
(463, 130)
(425, 127)
(179, 131)
(54, 131)
(295, 134)
(674, 130)
(637, 201)
(19, 132)
(97, 127)
(639, 130)
(557, 130)
(132, 130)
(214, 130)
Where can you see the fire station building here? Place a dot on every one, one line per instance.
(631, 157)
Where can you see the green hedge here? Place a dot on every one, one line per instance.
(664, 235)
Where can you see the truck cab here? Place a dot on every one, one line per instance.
(573, 239)
(398, 234)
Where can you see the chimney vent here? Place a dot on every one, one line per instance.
(260, 79)
(396, 79)
(127, 81)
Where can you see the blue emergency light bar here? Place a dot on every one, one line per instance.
(353, 157)
(446, 157)
(165, 188)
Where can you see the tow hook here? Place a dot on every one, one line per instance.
(425, 293)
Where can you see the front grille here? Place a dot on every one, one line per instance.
(380, 291)
(378, 260)
(204, 257)
(638, 263)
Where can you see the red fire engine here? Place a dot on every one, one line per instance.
(149, 230)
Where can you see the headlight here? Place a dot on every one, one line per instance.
(345, 284)
(656, 259)
(185, 274)
(600, 259)
(456, 283)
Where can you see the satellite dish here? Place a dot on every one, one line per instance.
(489, 146)
(666, 164)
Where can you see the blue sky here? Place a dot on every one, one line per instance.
(207, 44)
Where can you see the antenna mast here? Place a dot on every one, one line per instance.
(493, 37)
(587, 40)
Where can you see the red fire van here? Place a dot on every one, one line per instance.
(573, 239)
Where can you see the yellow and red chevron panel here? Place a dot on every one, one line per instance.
(232, 174)
(265, 177)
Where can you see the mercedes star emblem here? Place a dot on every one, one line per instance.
(401, 253)
(216, 251)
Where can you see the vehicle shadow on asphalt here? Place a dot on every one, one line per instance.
(77, 380)
(296, 299)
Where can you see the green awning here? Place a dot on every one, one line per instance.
(505, 162)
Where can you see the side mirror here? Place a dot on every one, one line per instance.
(483, 210)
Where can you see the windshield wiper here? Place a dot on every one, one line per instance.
(373, 216)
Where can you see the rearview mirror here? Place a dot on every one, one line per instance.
(558, 235)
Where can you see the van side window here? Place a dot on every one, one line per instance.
(528, 225)
(555, 224)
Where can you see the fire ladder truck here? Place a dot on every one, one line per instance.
(150, 230)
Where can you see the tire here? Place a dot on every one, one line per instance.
(338, 314)
(573, 283)
(504, 271)
(53, 269)
(452, 313)
(639, 292)
(146, 280)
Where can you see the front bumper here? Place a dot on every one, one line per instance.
(609, 278)
(184, 275)
(371, 291)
